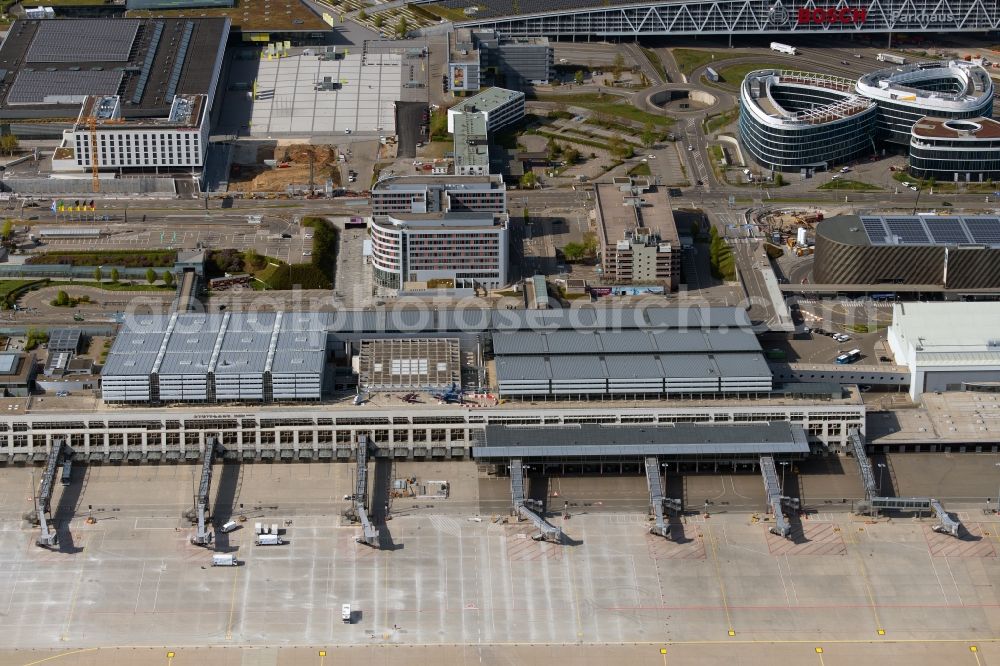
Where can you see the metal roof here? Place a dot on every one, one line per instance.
(562, 367)
(64, 339)
(624, 342)
(590, 439)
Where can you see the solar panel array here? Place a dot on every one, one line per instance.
(932, 230)
(147, 65)
(61, 87)
(83, 40)
(182, 49)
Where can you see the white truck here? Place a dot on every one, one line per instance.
(346, 613)
(891, 57)
(268, 540)
(224, 560)
(784, 48)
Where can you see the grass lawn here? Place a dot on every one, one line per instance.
(641, 169)
(120, 286)
(721, 120)
(733, 75)
(655, 61)
(849, 185)
(11, 289)
(612, 105)
(109, 258)
(689, 60)
(446, 13)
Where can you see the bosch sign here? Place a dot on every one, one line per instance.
(827, 15)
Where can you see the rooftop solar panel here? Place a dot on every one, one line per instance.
(909, 231)
(61, 87)
(875, 229)
(86, 40)
(947, 230)
(984, 229)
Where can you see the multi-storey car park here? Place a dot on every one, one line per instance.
(590, 18)
(795, 120)
(906, 93)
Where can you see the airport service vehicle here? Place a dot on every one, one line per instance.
(224, 560)
(345, 613)
(849, 357)
(891, 57)
(784, 48)
(230, 526)
(268, 540)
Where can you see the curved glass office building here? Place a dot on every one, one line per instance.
(905, 94)
(955, 150)
(798, 120)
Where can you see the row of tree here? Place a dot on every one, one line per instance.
(151, 276)
(720, 257)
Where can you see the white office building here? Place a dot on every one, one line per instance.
(501, 107)
(175, 142)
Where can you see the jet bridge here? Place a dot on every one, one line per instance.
(775, 499)
(203, 537)
(369, 535)
(43, 500)
(547, 531)
(946, 524)
(656, 498)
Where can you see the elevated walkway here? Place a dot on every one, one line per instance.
(658, 499)
(547, 531)
(186, 291)
(202, 537)
(369, 535)
(946, 524)
(43, 500)
(774, 497)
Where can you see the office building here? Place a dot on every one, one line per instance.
(638, 236)
(500, 106)
(966, 151)
(511, 61)
(439, 194)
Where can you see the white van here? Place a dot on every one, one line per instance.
(229, 527)
(345, 613)
(224, 560)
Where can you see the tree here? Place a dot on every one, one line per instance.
(8, 229)
(648, 134)
(618, 65)
(168, 278)
(62, 298)
(402, 27)
(378, 21)
(253, 259)
(8, 143)
(553, 150)
(114, 275)
(98, 275)
(578, 77)
(571, 155)
(362, 15)
(574, 252)
(150, 275)
(779, 180)
(529, 180)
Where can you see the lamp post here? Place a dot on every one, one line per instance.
(881, 466)
(784, 466)
(998, 493)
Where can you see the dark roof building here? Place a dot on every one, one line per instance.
(49, 67)
(950, 251)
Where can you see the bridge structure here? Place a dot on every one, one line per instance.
(732, 17)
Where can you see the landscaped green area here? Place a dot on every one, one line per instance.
(654, 60)
(446, 13)
(640, 169)
(612, 105)
(720, 257)
(122, 258)
(689, 60)
(122, 286)
(720, 120)
(11, 289)
(733, 75)
(852, 185)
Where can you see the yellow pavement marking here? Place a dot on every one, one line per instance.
(64, 654)
(232, 606)
(722, 585)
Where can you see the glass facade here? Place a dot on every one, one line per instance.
(803, 137)
(970, 154)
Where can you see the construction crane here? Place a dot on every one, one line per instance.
(92, 123)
